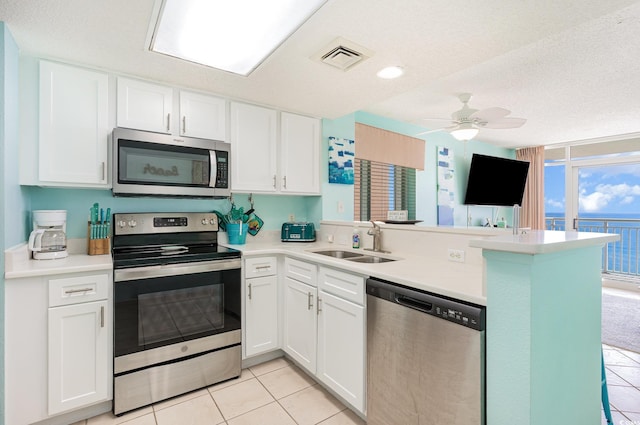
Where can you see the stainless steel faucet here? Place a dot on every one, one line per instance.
(376, 232)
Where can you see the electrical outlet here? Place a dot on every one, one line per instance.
(292, 218)
(456, 255)
(340, 206)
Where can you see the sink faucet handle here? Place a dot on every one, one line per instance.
(375, 228)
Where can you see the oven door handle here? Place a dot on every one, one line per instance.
(149, 272)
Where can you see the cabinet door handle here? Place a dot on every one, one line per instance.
(104, 171)
(274, 181)
(184, 124)
(75, 291)
(102, 316)
(263, 267)
(284, 182)
(249, 291)
(168, 122)
(310, 301)
(319, 307)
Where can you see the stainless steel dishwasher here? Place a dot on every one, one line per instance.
(426, 358)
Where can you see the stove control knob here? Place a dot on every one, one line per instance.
(122, 224)
(212, 221)
(204, 221)
(133, 223)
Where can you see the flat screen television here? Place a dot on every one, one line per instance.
(496, 181)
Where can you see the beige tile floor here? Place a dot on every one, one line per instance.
(623, 383)
(279, 393)
(272, 393)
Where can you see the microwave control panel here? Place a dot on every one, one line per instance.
(222, 169)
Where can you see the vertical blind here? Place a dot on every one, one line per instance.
(380, 187)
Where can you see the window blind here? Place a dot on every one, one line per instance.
(380, 187)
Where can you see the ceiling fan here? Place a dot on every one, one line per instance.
(467, 122)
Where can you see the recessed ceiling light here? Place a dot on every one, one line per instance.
(234, 36)
(390, 72)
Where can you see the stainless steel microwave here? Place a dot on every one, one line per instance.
(152, 164)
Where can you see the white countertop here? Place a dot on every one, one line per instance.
(543, 241)
(18, 264)
(420, 272)
(410, 269)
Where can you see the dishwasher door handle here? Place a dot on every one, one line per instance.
(414, 303)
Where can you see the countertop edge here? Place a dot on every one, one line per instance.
(304, 251)
(543, 241)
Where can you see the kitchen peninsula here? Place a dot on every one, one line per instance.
(544, 295)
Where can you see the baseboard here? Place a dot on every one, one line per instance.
(627, 285)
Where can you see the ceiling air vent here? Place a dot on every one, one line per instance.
(342, 54)
(342, 57)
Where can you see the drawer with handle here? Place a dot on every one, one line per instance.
(260, 266)
(78, 289)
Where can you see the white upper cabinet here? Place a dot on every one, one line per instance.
(73, 136)
(253, 148)
(300, 154)
(202, 116)
(144, 106)
(262, 162)
(150, 107)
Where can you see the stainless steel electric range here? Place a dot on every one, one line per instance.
(176, 307)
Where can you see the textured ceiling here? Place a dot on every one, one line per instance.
(570, 68)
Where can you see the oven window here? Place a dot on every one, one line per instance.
(179, 313)
(151, 313)
(166, 165)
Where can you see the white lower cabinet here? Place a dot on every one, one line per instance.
(78, 355)
(260, 306)
(324, 326)
(58, 346)
(341, 334)
(300, 322)
(341, 351)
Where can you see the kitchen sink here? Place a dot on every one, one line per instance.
(338, 254)
(354, 256)
(370, 259)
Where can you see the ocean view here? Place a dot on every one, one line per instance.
(622, 256)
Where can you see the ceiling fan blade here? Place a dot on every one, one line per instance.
(438, 120)
(490, 114)
(437, 130)
(504, 123)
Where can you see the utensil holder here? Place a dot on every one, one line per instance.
(237, 233)
(97, 246)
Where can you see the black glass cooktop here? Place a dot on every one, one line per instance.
(170, 254)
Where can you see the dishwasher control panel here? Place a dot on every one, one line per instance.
(460, 312)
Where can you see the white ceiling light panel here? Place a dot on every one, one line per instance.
(234, 36)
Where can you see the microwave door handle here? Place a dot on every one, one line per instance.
(213, 161)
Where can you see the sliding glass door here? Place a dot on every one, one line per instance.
(596, 188)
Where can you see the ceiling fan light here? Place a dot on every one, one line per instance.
(465, 132)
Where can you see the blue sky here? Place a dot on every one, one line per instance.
(603, 189)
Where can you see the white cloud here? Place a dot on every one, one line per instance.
(555, 204)
(594, 201)
(627, 200)
(606, 193)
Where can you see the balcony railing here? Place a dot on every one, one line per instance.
(620, 258)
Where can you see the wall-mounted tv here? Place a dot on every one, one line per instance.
(496, 181)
